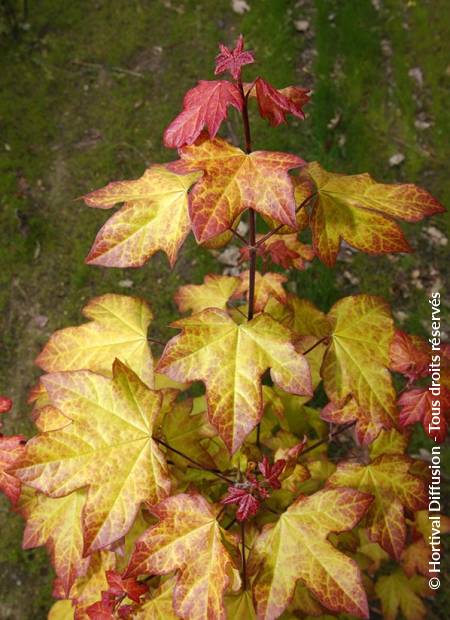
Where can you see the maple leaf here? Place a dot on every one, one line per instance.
(410, 355)
(108, 447)
(185, 432)
(205, 105)
(296, 548)
(400, 594)
(230, 359)
(56, 523)
(119, 586)
(87, 590)
(5, 404)
(248, 504)
(154, 217)
(187, 539)
(266, 285)
(355, 364)
(234, 181)
(288, 251)
(394, 489)
(159, 607)
(118, 329)
(275, 104)
(213, 293)
(272, 471)
(12, 451)
(232, 60)
(416, 405)
(362, 212)
(389, 442)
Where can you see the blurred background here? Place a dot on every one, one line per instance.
(87, 88)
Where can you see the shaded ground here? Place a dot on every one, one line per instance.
(87, 89)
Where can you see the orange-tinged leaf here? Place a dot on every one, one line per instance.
(213, 293)
(187, 539)
(356, 362)
(12, 452)
(118, 329)
(410, 355)
(288, 251)
(266, 286)
(205, 105)
(154, 217)
(399, 594)
(233, 181)
(108, 447)
(362, 212)
(416, 557)
(232, 60)
(394, 489)
(297, 548)
(56, 523)
(231, 359)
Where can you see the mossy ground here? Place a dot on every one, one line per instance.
(87, 89)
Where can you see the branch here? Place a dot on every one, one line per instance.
(329, 438)
(280, 226)
(198, 465)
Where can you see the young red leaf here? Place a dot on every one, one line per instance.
(234, 181)
(205, 105)
(266, 286)
(275, 105)
(248, 504)
(232, 60)
(187, 539)
(410, 355)
(154, 217)
(296, 548)
(272, 471)
(119, 586)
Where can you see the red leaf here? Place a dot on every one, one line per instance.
(5, 404)
(205, 105)
(416, 405)
(410, 355)
(129, 586)
(102, 610)
(271, 472)
(275, 105)
(247, 503)
(233, 60)
(12, 450)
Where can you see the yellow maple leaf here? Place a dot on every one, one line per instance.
(213, 293)
(187, 539)
(118, 329)
(231, 359)
(297, 548)
(154, 217)
(107, 447)
(394, 489)
(362, 212)
(400, 594)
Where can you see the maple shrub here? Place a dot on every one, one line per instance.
(257, 498)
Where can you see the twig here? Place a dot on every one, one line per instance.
(330, 437)
(280, 226)
(198, 465)
(316, 344)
